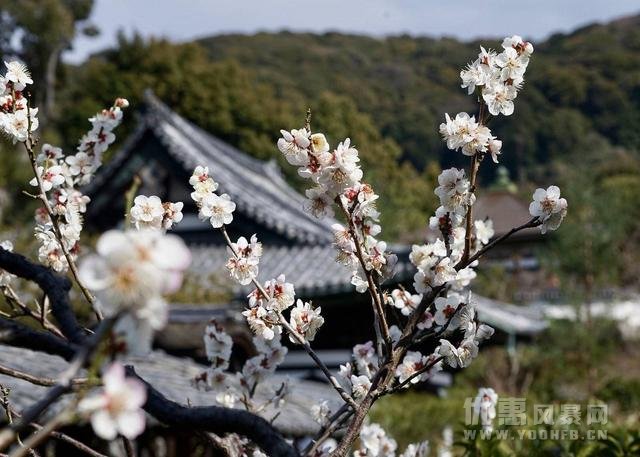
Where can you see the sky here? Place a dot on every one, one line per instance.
(183, 20)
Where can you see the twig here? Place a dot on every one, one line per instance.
(39, 381)
(63, 437)
(128, 447)
(13, 299)
(333, 423)
(535, 222)
(371, 280)
(41, 434)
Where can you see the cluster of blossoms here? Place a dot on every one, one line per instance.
(355, 376)
(266, 305)
(374, 442)
(60, 176)
(244, 260)
(151, 212)
(451, 313)
(484, 406)
(436, 261)
(336, 176)
(266, 302)
(499, 77)
(130, 273)
(217, 208)
(17, 118)
(232, 387)
(116, 408)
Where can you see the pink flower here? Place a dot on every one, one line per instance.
(117, 409)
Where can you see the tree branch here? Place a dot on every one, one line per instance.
(215, 419)
(54, 286)
(19, 335)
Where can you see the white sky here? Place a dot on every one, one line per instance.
(188, 19)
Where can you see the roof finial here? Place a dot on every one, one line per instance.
(307, 120)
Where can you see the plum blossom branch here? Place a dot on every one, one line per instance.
(292, 332)
(373, 286)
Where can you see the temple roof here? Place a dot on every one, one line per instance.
(312, 269)
(257, 187)
(172, 376)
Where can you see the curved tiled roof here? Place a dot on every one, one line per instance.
(312, 269)
(257, 187)
(172, 377)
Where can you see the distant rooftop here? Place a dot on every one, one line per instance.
(257, 187)
(506, 210)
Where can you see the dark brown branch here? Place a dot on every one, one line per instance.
(19, 335)
(216, 419)
(56, 287)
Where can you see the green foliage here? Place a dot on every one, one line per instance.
(225, 98)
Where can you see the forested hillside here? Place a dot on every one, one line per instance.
(587, 81)
(580, 107)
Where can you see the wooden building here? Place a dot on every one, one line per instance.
(163, 150)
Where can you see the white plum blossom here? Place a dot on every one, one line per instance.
(50, 177)
(172, 214)
(405, 301)
(131, 271)
(280, 295)
(245, 257)
(262, 322)
(18, 74)
(294, 146)
(81, 163)
(49, 153)
(202, 183)
(411, 363)
(374, 442)
(227, 399)
(305, 320)
(426, 256)
(417, 450)
(218, 209)
(318, 203)
(548, 207)
(446, 308)
(361, 385)
(484, 406)
(499, 98)
(454, 190)
(147, 212)
(320, 412)
(117, 409)
(483, 230)
(343, 171)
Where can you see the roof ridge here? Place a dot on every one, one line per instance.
(191, 145)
